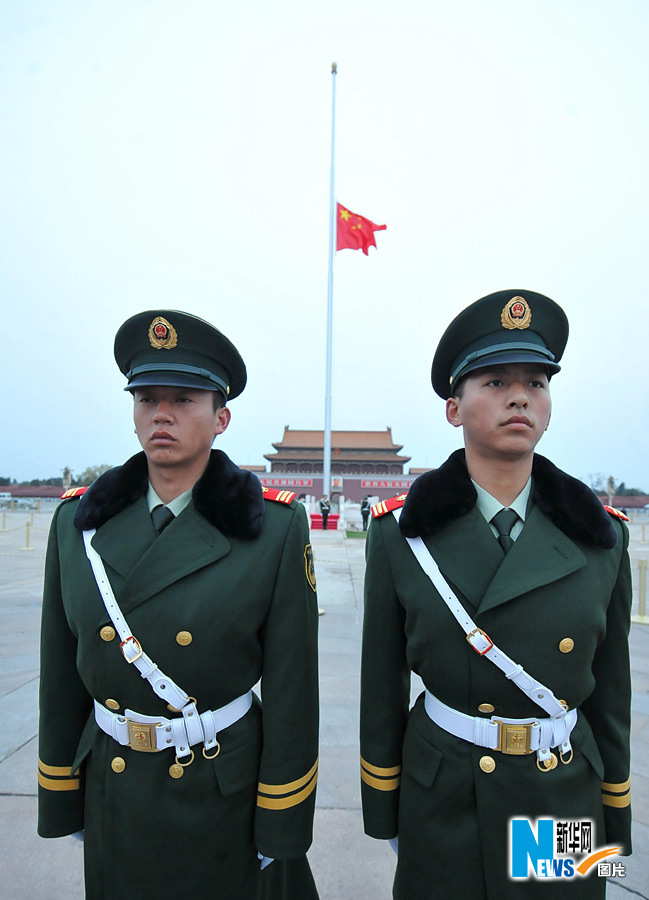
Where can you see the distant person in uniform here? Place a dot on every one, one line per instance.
(366, 506)
(505, 584)
(172, 586)
(325, 509)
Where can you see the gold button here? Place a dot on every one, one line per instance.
(184, 638)
(566, 645)
(487, 764)
(107, 633)
(176, 771)
(118, 764)
(111, 704)
(485, 707)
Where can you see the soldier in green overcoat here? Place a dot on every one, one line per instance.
(535, 724)
(174, 585)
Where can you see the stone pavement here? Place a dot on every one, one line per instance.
(346, 864)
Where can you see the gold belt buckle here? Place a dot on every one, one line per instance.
(142, 736)
(515, 739)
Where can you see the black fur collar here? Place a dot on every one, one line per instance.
(228, 497)
(438, 497)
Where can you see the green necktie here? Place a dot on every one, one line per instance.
(161, 516)
(504, 521)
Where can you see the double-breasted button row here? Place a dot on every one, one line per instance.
(184, 638)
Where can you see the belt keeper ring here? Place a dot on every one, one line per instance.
(551, 764)
(184, 765)
(218, 750)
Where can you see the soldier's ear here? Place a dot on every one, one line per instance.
(222, 420)
(453, 415)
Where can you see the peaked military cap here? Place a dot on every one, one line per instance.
(505, 327)
(171, 348)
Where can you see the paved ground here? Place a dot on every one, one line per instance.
(346, 864)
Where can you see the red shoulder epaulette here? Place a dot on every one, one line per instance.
(73, 492)
(616, 512)
(386, 506)
(277, 495)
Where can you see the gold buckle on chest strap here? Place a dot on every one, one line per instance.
(142, 736)
(515, 739)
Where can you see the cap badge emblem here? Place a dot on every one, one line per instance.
(516, 314)
(162, 334)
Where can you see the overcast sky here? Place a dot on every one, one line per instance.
(163, 154)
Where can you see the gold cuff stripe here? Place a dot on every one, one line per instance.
(380, 770)
(62, 784)
(290, 786)
(55, 770)
(616, 788)
(381, 784)
(287, 802)
(620, 802)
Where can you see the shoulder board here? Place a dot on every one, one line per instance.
(278, 496)
(616, 513)
(386, 506)
(73, 492)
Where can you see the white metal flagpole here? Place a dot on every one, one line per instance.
(326, 479)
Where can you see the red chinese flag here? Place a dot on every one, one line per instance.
(354, 232)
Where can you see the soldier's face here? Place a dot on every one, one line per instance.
(177, 426)
(503, 410)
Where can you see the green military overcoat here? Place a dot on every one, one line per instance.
(223, 598)
(566, 577)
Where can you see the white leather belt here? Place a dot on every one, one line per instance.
(512, 736)
(153, 733)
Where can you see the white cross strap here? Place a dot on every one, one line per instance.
(131, 648)
(481, 642)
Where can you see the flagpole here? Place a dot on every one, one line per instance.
(326, 478)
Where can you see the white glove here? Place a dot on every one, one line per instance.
(265, 860)
(78, 835)
(394, 843)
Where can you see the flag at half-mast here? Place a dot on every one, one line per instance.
(354, 232)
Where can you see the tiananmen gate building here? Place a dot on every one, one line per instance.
(362, 462)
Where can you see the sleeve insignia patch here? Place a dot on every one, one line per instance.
(616, 512)
(73, 492)
(386, 506)
(309, 566)
(278, 496)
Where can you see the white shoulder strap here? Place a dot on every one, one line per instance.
(480, 641)
(131, 648)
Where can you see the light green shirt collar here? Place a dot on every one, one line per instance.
(176, 505)
(489, 506)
